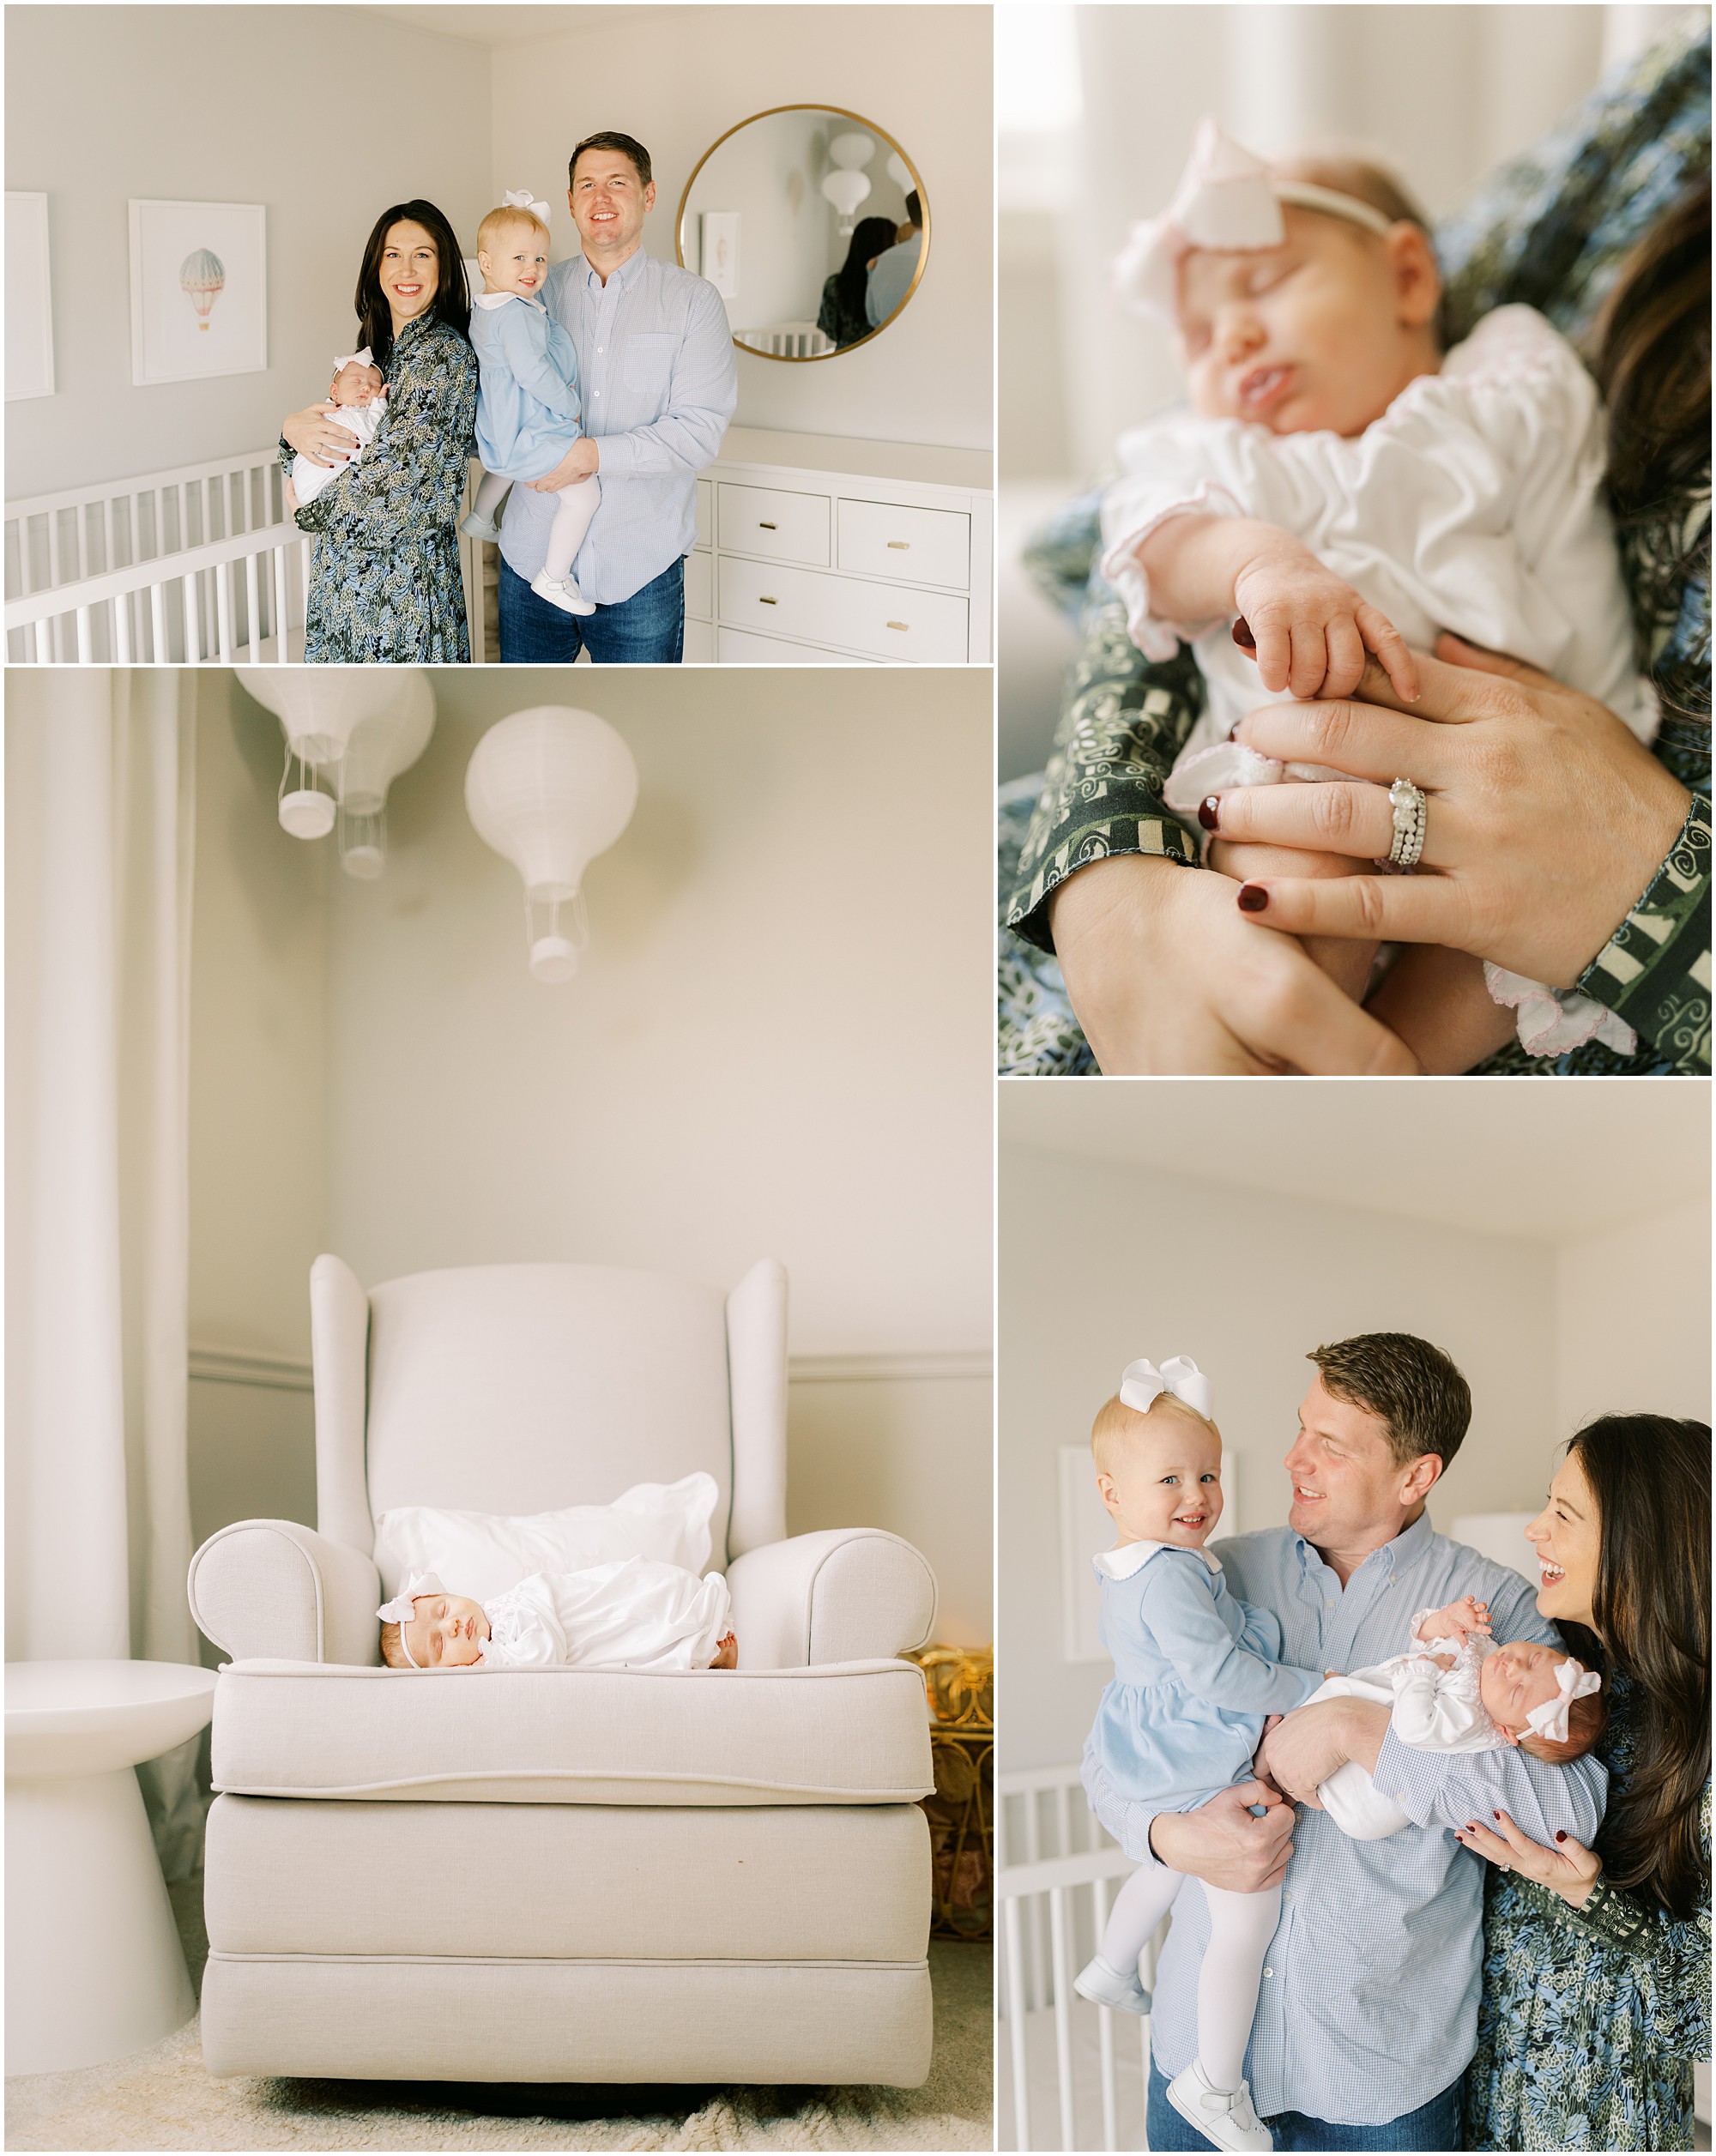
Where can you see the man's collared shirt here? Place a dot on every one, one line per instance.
(889, 282)
(1369, 2004)
(656, 370)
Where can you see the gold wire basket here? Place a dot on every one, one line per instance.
(960, 1685)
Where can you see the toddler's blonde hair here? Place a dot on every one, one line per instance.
(498, 219)
(1118, 1426)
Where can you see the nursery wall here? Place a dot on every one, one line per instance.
(745, 1066)
(678, 77)
(1632, 1314)
(104, 104)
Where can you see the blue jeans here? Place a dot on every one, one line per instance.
(1433, 2125)
(648, 629)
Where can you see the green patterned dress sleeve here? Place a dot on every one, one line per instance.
(385, 585)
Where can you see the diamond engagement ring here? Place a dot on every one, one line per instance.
(1407, 802)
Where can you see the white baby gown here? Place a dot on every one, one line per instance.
(635, 1613)
(1436, 1710)
(363, 420)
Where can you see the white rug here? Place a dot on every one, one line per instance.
(162, 2098)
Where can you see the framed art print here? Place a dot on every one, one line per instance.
(199, 290)
(30, 312)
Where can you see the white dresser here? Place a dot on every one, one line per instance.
(812, 550)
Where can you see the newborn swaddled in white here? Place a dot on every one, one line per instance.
(635, 1614)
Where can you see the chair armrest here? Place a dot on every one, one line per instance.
(270, 1588)
(847, 1594)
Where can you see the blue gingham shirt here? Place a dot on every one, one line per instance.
(1369, 2004)
(660, 383)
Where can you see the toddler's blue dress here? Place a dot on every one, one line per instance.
(1195, 1674)
(528, 411)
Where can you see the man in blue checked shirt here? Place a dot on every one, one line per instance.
(1368, 2011)
(657, 373)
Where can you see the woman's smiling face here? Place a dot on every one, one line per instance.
(1567, 1536)
(410, 272)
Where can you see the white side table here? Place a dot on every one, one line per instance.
(94, 1965)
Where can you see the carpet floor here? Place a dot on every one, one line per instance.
(162, 2098)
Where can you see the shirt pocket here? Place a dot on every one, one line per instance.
(647, 363)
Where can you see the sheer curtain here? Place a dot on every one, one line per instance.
(99, 849)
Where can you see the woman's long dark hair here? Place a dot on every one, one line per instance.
(1650, 1477)
(452, 301)
(870, 235)
(1652, 359)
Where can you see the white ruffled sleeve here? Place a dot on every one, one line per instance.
(1431, 1708)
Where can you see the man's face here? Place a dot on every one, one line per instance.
(609, 203)
(1347, 1488)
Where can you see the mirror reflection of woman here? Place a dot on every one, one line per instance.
(843, 319)
(385, 585)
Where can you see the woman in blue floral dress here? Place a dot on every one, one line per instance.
(385, 585)
(1597, 1962)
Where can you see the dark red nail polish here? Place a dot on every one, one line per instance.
(1561, 1833)
(1471, 1826)
(1253, 898)
(1243, 636)
(1495, 1814)
(1210, 812)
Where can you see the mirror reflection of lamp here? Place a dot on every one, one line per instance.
(350, 731)
(549, 788)
(846, 189)
(900, 172)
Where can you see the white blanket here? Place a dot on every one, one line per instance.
(637, 1614)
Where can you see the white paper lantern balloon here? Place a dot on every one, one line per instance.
(851, 151)
(319, 709)
(550, 788)
(378, 749)
(846, 190)
(901, 173)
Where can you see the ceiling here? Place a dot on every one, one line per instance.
(508, 25)
(1547, 1159)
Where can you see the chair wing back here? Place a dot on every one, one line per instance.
(517, 1389)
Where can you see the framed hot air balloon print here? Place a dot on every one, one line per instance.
(199, 290)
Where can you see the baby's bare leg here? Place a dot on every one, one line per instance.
(1436, 1001)
(1347, 963)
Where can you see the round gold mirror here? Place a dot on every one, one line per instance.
(813, 224)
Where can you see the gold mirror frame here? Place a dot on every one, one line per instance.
(813, 358)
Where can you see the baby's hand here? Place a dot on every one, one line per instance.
(1467, 1614)
(1310, 629)
(354, 385)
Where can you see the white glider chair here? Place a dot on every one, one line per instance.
(564, 1876)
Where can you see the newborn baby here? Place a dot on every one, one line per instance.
(362, 396)
(1343, 485)
(635, 1613)
(1454, 1690)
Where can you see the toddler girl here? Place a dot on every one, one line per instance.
(528, 411)
(1342, 486)
(1455, 1690)
(362, 399)
(1195, 1674)
(635, 1613)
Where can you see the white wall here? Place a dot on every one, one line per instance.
(217, 104)
(1633, 1327)
(676, 78)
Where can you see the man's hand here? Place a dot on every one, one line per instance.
(1311, 1742)
(1221, 1844)
(578, 463)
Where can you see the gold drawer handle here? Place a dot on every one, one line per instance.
(767, 602)
(762, 527)
(901, 546)
(899, 625)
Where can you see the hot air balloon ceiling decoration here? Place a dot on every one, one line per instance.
(199, 286)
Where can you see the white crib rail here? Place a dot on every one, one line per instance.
(1056, 1870)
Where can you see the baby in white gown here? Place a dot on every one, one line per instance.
(1341, 486)
(635, 1613)
(1455, 1690)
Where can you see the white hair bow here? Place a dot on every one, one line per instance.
(399, 1610)
(1575, 1682)
(519, 198)
(1141, 1382)
(364, 358)
(1228, 201)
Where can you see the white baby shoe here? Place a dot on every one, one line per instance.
(1223, 2116)
(1104, 1985)
(476, 527)
(562, 592)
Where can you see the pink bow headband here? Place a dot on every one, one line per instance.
(1228, 201)
(400, 1610)
(1142, 1383)
(1575, 1681)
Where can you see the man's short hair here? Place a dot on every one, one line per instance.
(1414, 1390)
(608, 140)
(913, 209)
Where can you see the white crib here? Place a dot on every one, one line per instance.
(1067, 2071)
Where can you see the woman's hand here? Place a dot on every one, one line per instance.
(316, 432)
(1167, 978)
(1546, 820)
(1569, 1869)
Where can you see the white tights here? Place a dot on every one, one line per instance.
(574, 507)
(1241, 1927)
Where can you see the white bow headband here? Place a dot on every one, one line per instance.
(399, 1611)
(1141, 1383)
(1575, 1682)
(519, 198)
(1228, 201)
